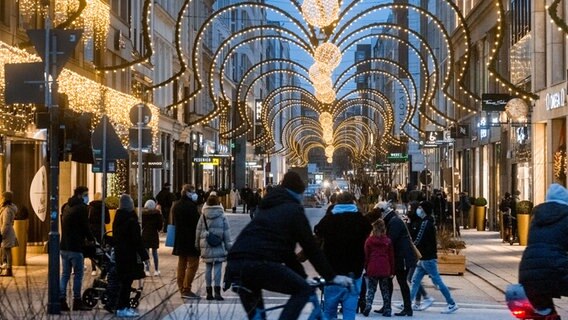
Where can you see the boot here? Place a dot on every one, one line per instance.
(218, 294)
(79, 305)
(8, 272)
(209, 293)
(63, 305)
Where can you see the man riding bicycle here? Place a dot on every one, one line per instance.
(263, 256)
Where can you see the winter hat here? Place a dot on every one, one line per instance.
(557, 193)
(293, 182)
(427, 207)
(383, 206)
(126, 203)
(150, 204)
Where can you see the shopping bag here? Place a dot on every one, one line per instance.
(171, 235)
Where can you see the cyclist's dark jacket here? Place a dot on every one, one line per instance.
(544, 265)
(279, 224)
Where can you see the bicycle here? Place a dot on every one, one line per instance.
(317, 302)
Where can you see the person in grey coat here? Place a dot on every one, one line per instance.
(213, 214)
(9, 240)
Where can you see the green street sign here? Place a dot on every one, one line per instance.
(397, 157)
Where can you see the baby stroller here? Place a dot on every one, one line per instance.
(105, 286)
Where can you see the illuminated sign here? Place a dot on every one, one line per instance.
(556, 100)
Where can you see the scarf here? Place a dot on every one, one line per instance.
(344, 208)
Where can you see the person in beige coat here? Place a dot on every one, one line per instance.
(9, 240)
(235, 197)
(213, 256)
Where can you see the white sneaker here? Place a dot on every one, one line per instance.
(147, 273)
(94, 273)
(399, 306)
(426, 303)
(417, 307)
(156, 272)
(451, 308)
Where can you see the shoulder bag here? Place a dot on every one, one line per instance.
(211, 238)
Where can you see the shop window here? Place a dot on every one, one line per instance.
(5, 12)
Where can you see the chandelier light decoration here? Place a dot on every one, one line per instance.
(327, 57)
(328, 54)
(320, 13)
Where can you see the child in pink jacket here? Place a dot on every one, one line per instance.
(379, 266)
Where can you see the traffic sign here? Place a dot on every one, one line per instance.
(98, 166)
(425, 177)
(114, 148)
(65, 43)
(146, 114)
(146, 138)
(24, 83)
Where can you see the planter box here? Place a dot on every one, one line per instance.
(451, 263)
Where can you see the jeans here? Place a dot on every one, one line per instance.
(187, 268)
(429, 267)
(75, 260)
(271, 276)
(215, 268)
(155, 255)
(334, 294)
(421, 292)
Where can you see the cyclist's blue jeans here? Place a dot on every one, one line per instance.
(71, 260)
(333, 294)
(429, 267)
(271, 276)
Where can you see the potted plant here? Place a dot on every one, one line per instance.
(111, 202)
(480, 207)
(524, 209)
(450, 261)
(21, 225)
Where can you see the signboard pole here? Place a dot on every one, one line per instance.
(140, 178)
(453, 154)
(53, 305)
(104, 161)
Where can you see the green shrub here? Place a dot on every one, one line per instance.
(112, 202)
(480, 202)
(524, 207)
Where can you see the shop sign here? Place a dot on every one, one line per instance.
(253, 164)
(208, 147)
(556, 99)
(206, 161)
(150, 160)
(494, 102)
(397, 157)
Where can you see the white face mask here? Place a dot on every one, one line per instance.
(86, 199)
(420, 213)
(194, 197)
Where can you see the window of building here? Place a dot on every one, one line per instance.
(520, 14)
(5, 12)
(122, 9)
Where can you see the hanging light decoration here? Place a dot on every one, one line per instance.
(329, 160)
(326, 96)
(329, 151)
(320, 13)
(328, 54)
(319, 72)
(324, 85)
(517, 109)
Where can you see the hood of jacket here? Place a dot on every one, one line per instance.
(212, 212)
(276, 197)
(379, 240)
(557, 193)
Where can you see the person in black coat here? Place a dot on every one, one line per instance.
(130, 254)
(151, 226)
(344, 233)
(186, 216)
(165, 199)
(404, 257)
(428, 265)
(253, 201)
(543, 270)
(95, 222)
(263, 255)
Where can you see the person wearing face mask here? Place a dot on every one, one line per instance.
(404, 257)
(428, 265)
(186, 216)
(74, 231)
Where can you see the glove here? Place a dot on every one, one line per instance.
(343, 281)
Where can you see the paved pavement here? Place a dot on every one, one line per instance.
(491, 266)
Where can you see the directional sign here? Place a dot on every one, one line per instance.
(65, 42)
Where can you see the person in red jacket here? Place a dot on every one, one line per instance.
(379, 266)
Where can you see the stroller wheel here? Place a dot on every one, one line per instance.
(134, 302)
(104, 298)
(90, 297)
